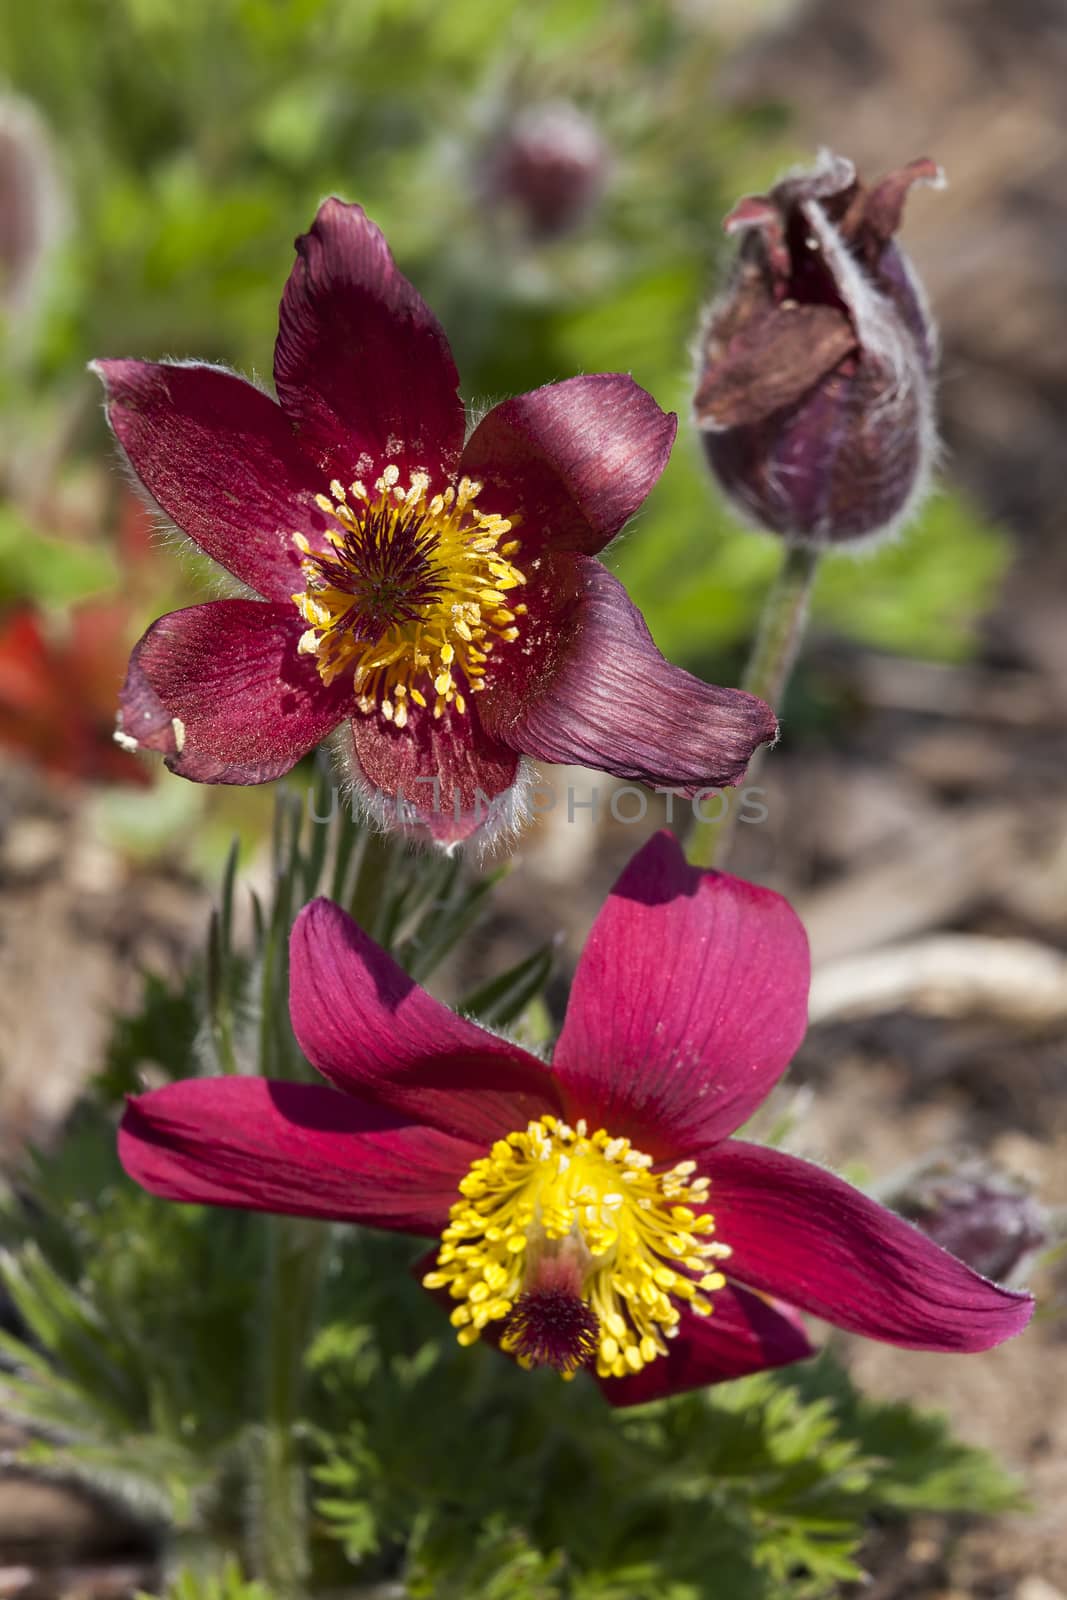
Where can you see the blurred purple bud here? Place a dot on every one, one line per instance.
(814, 393)
(550, 165)
(978, 1212)
(31, 203)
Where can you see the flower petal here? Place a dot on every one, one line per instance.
(219, 457)
(743, 1334)
(575, 459)
(689, 1001)
(292, 1148)
(615, 704)
(373, 1032)
(444, 774)
(362, 365)
(801, 1233)
(221, 690)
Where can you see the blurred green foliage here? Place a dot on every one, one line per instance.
(226, 1585)
(196, 137)
(50, 571)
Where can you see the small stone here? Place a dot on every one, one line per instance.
(30, 847)
(1035, 1588)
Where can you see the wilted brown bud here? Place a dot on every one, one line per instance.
(814, 395)
(978, 1212)
(550, 167)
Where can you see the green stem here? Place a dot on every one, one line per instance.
(377, 859)
(279, 1530)
(774, 654)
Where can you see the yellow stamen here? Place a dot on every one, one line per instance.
(407, 593)
(640, 1240)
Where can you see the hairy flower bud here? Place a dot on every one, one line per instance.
(978, 1212)
(814, 395)
(550, 167)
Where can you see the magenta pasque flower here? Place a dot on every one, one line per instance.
(814, 389)
(439, 599)
(596, 1211)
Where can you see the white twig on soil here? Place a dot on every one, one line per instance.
(951, 975)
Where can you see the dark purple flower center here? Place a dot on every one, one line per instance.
(409, 592)
(386, 563)
(551, 1327)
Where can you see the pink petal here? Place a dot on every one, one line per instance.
(221, 690)
(446, 770)
(220, 458)
(292, 1148)
(688, 1004)
(799, 1232)
(744, 1334)
(374, 1033)
(362, 366)
(575, 459)
(612, 702)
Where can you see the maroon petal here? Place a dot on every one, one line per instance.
(362, 365)
(615, 704)
(220, 458)
(772, 362)
(444, 774)
(799, 1232)
(689, 1001)
(743, 1334)
(574, 459)
(374, 1033)
(221, 690)
(292, 1148)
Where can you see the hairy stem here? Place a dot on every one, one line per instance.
(778, 640)
(279, 1520)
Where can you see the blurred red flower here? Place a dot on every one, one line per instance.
(58, 690)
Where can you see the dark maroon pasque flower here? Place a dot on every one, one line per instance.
(439, 599)
(814, 391)
(572, 1200)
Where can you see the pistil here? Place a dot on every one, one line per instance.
(554, 1215)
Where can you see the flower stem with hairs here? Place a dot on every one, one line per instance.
(774, 654)
(279, 1529)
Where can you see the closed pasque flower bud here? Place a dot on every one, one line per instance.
(814, 395)
(978, 1212)
(549, 167)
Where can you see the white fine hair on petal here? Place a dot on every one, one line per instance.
(505, 817)
(220, 582)
(884, 338)
(476, 412)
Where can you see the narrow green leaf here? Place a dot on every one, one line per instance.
(503, 999)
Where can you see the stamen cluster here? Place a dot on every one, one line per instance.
(641, 1238)
(410, 595)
